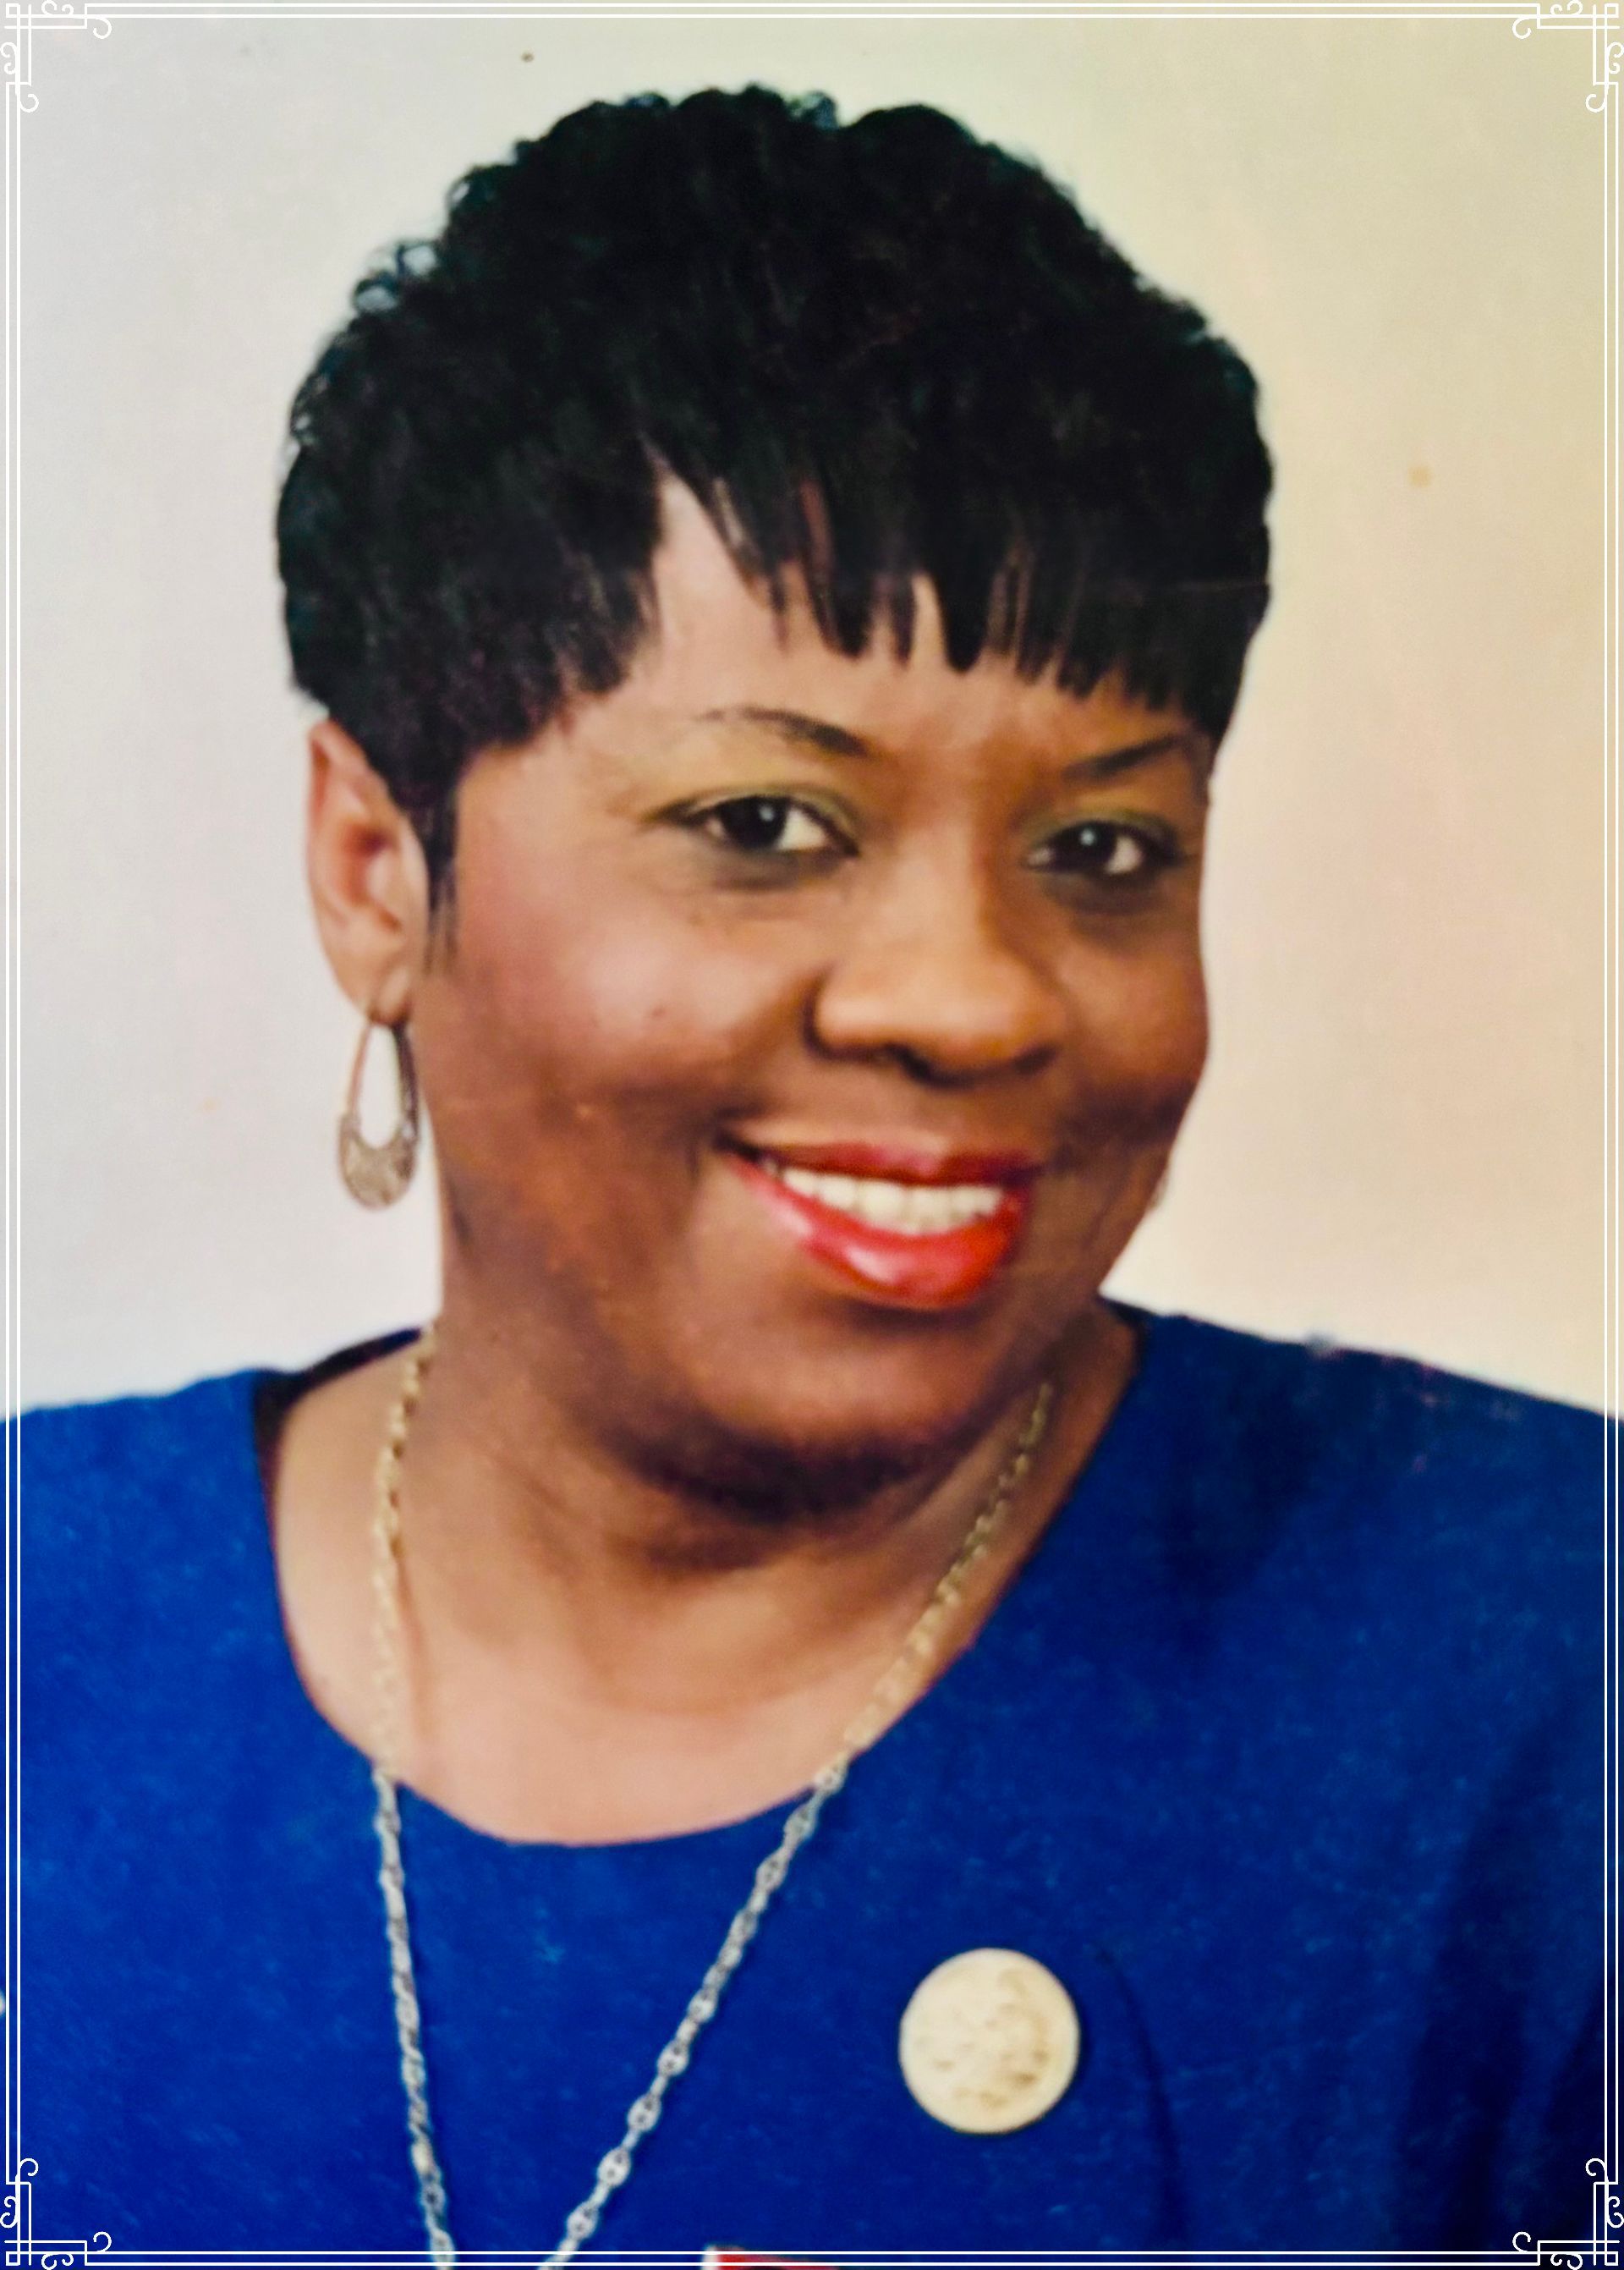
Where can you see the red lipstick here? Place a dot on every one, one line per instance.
(917, 1267)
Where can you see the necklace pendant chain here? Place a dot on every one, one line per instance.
(389, 1717)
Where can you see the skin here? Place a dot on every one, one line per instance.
(676, 1491)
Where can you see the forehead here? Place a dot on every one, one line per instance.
(719, 644)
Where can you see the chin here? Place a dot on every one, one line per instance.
(802, 1428)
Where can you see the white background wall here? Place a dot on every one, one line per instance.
(1400, 1138)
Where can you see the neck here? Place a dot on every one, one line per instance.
(650, 1578)
(596, 1649)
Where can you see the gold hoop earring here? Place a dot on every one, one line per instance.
(377, 1173)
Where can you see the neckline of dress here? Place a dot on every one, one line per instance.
(1126, 1446)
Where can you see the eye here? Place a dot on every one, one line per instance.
(775, 825)
(1106, 851)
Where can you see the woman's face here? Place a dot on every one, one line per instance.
(813, 1031)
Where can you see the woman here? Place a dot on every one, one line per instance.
(776, 590)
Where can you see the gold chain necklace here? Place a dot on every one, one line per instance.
(917, 1650)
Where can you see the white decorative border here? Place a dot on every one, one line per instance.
(1602, 2246)
(17, 2228)
(16, 52)
(1604, 20)
(1606, 53)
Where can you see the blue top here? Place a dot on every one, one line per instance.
(1284, 1754)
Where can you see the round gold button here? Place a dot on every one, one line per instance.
(990, 2041)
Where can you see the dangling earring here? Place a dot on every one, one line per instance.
(377, 1173)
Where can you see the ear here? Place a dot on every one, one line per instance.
(368, 878)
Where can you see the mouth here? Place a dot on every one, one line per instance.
(918, 1230)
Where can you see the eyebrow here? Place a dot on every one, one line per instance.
(836, 741)
(793, 725)
(1192, 746)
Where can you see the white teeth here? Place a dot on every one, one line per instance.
(916, 1209)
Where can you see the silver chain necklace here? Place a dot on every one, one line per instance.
(917, 1650)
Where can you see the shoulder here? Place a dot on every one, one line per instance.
(135, 1517)
(141, 1441)
(1388, 1395)
(173, 1450)
(147, 1514)
(1385, 1489)
(82, 1459)
(1311, 1415)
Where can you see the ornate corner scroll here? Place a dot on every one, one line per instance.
(1606, 2223)
(16, 48)
(17, 2227)
(1601, 18)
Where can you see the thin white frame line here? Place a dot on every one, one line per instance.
(1610, 955)
(69, 15)
(1609, 961)
(1600, 18)
(1187, 11)
(51, 15)
(1607, 972)
(1614, 126)
(13, 1083)
(1333, 11)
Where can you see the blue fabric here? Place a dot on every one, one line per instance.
(1284, 1754)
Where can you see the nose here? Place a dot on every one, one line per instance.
(934, 977)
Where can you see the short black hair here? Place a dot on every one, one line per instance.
(874, 351)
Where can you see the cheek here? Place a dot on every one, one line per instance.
(568, 1005)
(1143, 1037)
